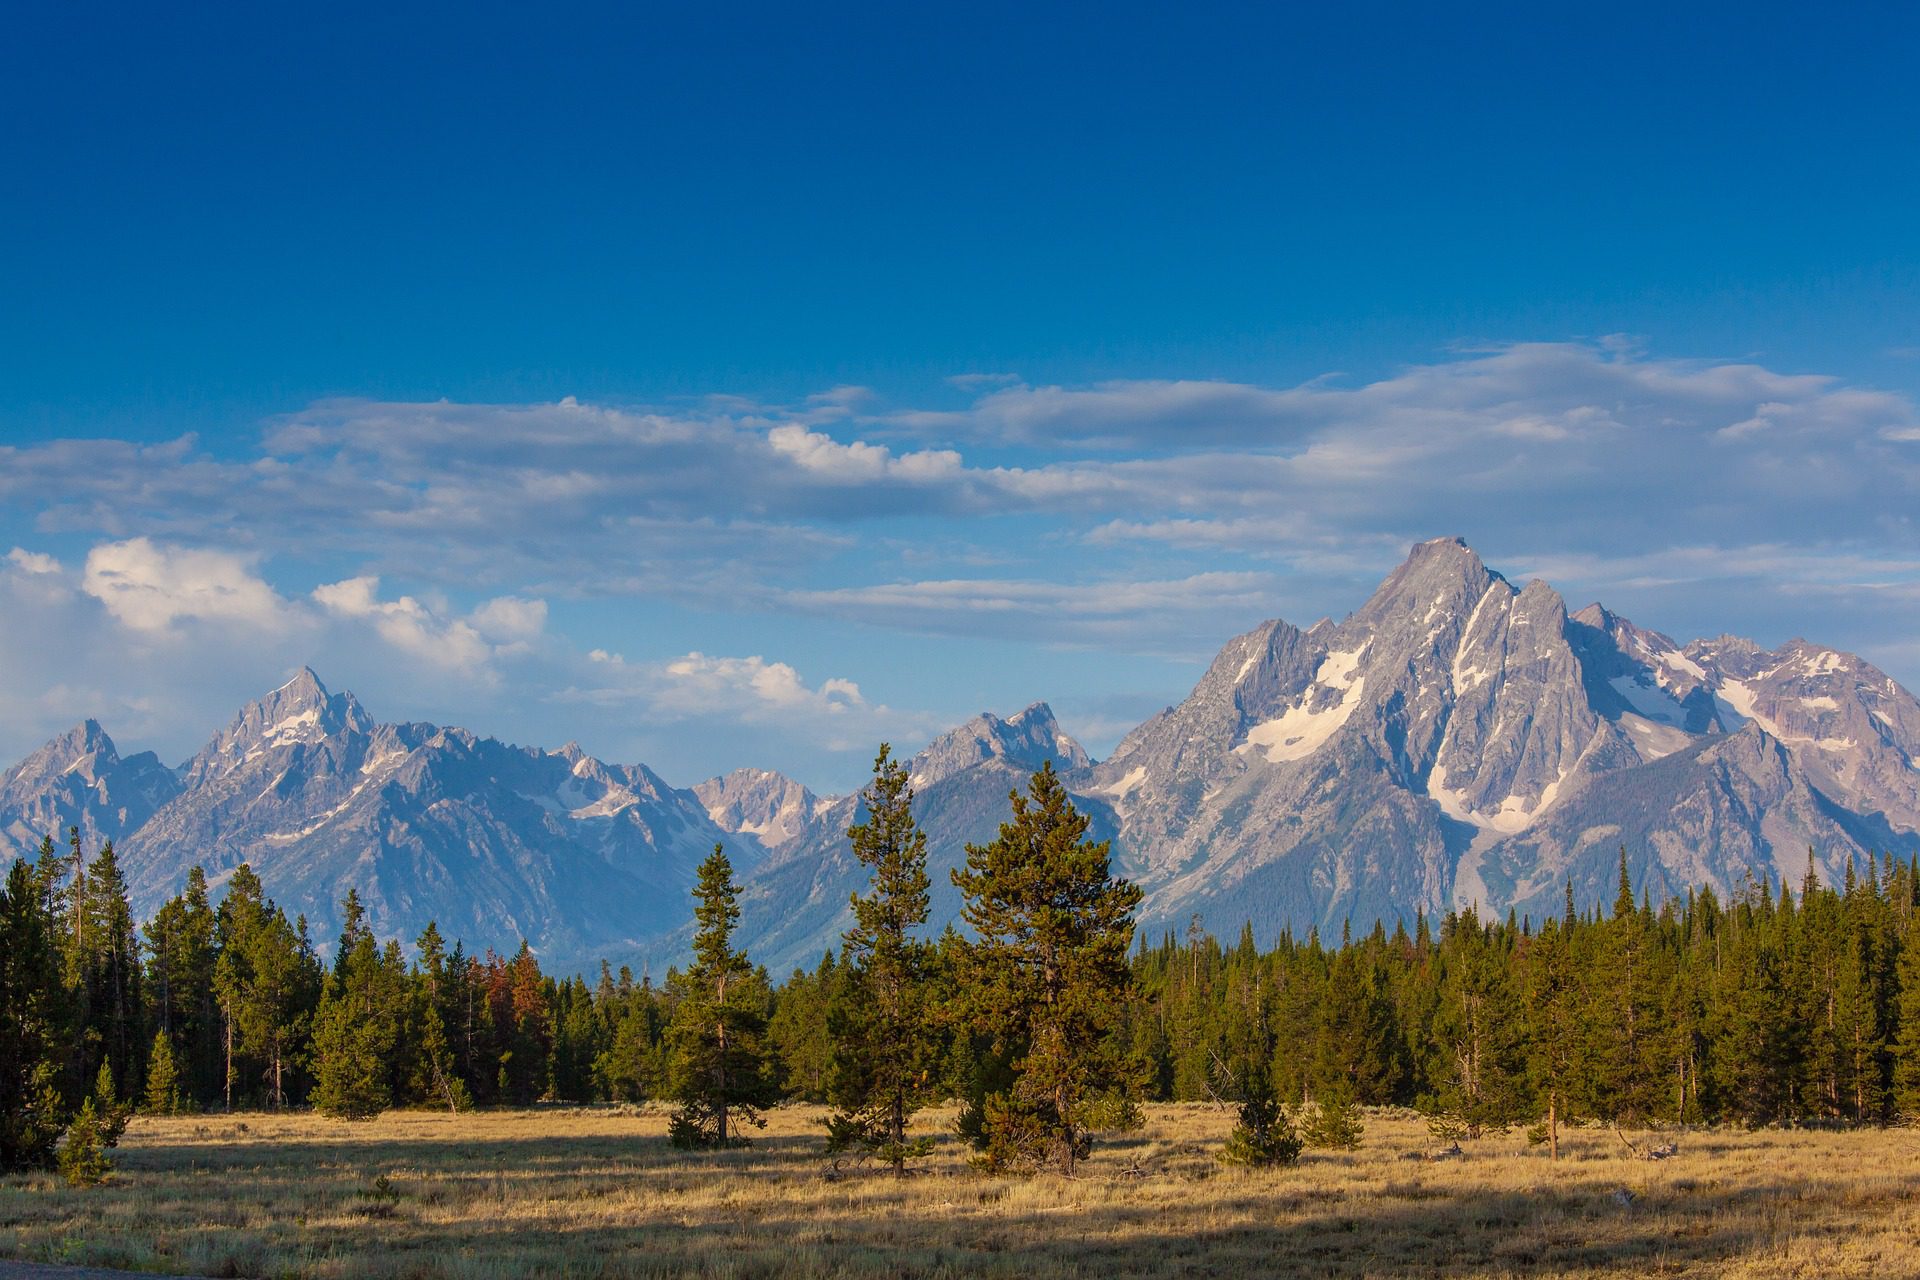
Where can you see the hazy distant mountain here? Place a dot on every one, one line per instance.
(772, 809)
(1457, 739)
(79, 779)
(498, 843)
(794, 905)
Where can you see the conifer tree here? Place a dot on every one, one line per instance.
(1264, 1134)
(801, 1033)
(267, 981)
(163, 1079)
(32, 1017)
(719, 1070)
(1552, 1026)
(83, 1157)
(437, 1077)
(1906, 1056)
(1052, 928)
(880, 1020)
(182, 953)
(1478, 1063)
(357, 1027)
(115, 969)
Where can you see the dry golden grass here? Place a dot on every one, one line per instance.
(599, 1193)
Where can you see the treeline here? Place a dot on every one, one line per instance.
(1041, 1016)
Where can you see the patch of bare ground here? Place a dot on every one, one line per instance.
(599, 1193)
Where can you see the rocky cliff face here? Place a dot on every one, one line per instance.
(1460, 740)
(79, 779)
(766, 806)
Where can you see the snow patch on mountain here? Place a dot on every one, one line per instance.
(1304, 728)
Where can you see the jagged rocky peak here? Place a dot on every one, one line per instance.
(1025, 741)
(771, 807)
(82, 749)
(79, 779)
(1443, 574)
(301, 710)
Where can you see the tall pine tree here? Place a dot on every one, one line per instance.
(718, 1069)
(1052, 927)
(879, 1021)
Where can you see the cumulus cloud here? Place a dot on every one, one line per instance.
(33, 562)
(149, 586)
(698, 681)
(510, 620)
(428, 634)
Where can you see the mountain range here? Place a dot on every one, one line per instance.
(1456, 740)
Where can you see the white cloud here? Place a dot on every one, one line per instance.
(859, 463)
(715, 690)
(1535, 452)
(408, 625)
(510, 620)
(149, 586)
(33, 562)
(698, 681)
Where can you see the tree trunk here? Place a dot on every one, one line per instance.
(897, 1130)
(1553, 1123)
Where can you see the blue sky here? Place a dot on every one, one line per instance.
(738, 384)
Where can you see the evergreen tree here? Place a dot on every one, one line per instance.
(357, 1028)
(182, 952)
(802, 1028)
(1906, 1048)
(719, 1072)
(163, 1079)
(32, 1018)
(1264, 1135)
(437, 1078)
(1478, 1060)
(1552, 1026)
(83, 1157)
(1052, 930)
(880, 1019)
(267, 982)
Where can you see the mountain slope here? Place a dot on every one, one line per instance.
(1459, 740)
(761, 804)
(80, 779)
(497, 843)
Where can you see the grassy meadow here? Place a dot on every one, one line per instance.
(599, 1193)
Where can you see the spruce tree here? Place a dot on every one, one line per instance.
(33, 1031)
(879, 1022)
(719, 1070)
(267, 983)
(437, 1077)
(180, 967)
(1906, 1052)
(163, 1079)
(1264, 1135)
(1052, 928)
(1552, 1010)
(357, 1027)
(1477, 1055)
(113, 970)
